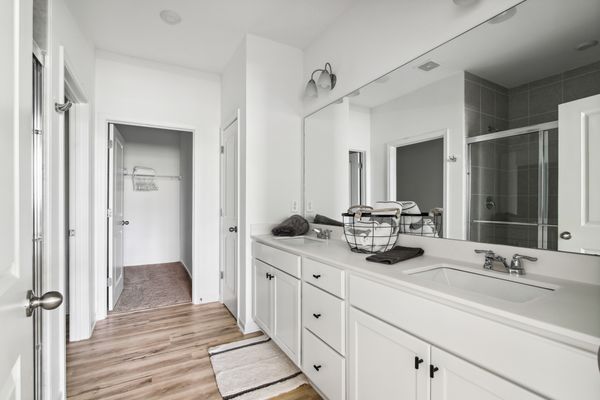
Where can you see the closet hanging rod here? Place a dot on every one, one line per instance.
(178, 177)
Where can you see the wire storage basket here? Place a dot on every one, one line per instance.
(371, 231)
(421, 224)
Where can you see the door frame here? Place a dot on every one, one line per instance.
(414, 139)
(100, 202)
(231, 120)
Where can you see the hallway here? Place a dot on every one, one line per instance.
(155, 354)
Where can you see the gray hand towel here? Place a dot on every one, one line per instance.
(397, 254)
(293, 226)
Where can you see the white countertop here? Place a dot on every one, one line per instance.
(569, 314)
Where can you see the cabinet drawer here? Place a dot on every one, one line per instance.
(287, 262)
(324, 315)
(326, 277)
(323, 366)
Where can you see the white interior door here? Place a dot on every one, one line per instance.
(116, 222)
(579, 176)
(229, 217)
(16, 218)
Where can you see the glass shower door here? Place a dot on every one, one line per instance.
(510, 189)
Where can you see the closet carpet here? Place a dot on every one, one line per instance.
(152, 286)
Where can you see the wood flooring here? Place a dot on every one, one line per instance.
(155, 354)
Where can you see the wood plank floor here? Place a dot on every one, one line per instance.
(155, 354)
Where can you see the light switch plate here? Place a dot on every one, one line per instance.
(294, 206)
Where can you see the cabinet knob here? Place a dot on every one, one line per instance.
(432, 370)
(317, 316)
(316, 276)
(417, 362)
(317, 367)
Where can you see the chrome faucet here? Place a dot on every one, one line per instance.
(498, 263)
(322, 233)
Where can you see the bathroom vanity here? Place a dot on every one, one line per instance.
(424, 328)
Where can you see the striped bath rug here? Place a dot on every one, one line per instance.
(253, 369)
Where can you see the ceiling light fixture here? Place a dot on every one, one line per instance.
(586, 45)
(170, 17)
(506, 15)
(428, 66)
(327, 81)
(462, 3)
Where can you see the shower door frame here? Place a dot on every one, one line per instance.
(542, 220)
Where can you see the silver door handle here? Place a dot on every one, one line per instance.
(124, 222)
(566, 235)
(48, 301)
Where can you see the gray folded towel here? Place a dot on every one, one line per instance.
(397, 254)
(323, 220)
(293, 226)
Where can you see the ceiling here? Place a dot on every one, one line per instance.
(537, 42)
(210, 30)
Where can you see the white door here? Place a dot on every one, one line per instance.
(262, 297)
(579, 176)
(16, 218)
(116, 221)
(286, 313)
(456, 379)
(384, 361)
(229, 217)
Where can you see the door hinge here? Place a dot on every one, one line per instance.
(220, 212)
(109, 282)
(71, 232)
(37, 131)
(221, 274)
(110, 144)
(109, 213)
(222, 149)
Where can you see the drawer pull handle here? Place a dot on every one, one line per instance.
(432, 370)
(417, 362)
(317, 367)
(317, 316)
(316, 276)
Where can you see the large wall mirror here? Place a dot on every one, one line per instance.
(498, 130)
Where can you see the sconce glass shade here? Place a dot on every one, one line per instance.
(324, 81)
(311, 89)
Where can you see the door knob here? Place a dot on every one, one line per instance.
(566, 235)
(233, 229)
(124, 222)
(48, 301)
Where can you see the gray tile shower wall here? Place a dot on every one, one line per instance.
(486, 106)
(537, 102)
(490, 107)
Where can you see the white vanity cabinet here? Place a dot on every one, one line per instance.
(276, 298)
(386, 360)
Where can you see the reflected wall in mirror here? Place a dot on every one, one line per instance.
(499, 128)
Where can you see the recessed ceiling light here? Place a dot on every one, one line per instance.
(586, 45)
(508, 14)
(383, 79)
(464, 2)
(428, 66)
(170, 17)
(353, 94)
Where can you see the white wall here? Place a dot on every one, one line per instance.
(435, 107)
(186, 198)
(264, 80)
(142, 92)
(153, 235)
(372, 38)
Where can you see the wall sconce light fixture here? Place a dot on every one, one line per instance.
(327, 81)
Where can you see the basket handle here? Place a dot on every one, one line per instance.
(358, 209)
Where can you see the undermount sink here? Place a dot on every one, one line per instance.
(299, 240)
(486, 283)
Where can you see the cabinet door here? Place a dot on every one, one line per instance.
(457, 379)
(385, 362)
(263, 296)
(286, 312)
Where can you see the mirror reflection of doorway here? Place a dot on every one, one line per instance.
(357, 178)
(420, 173)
